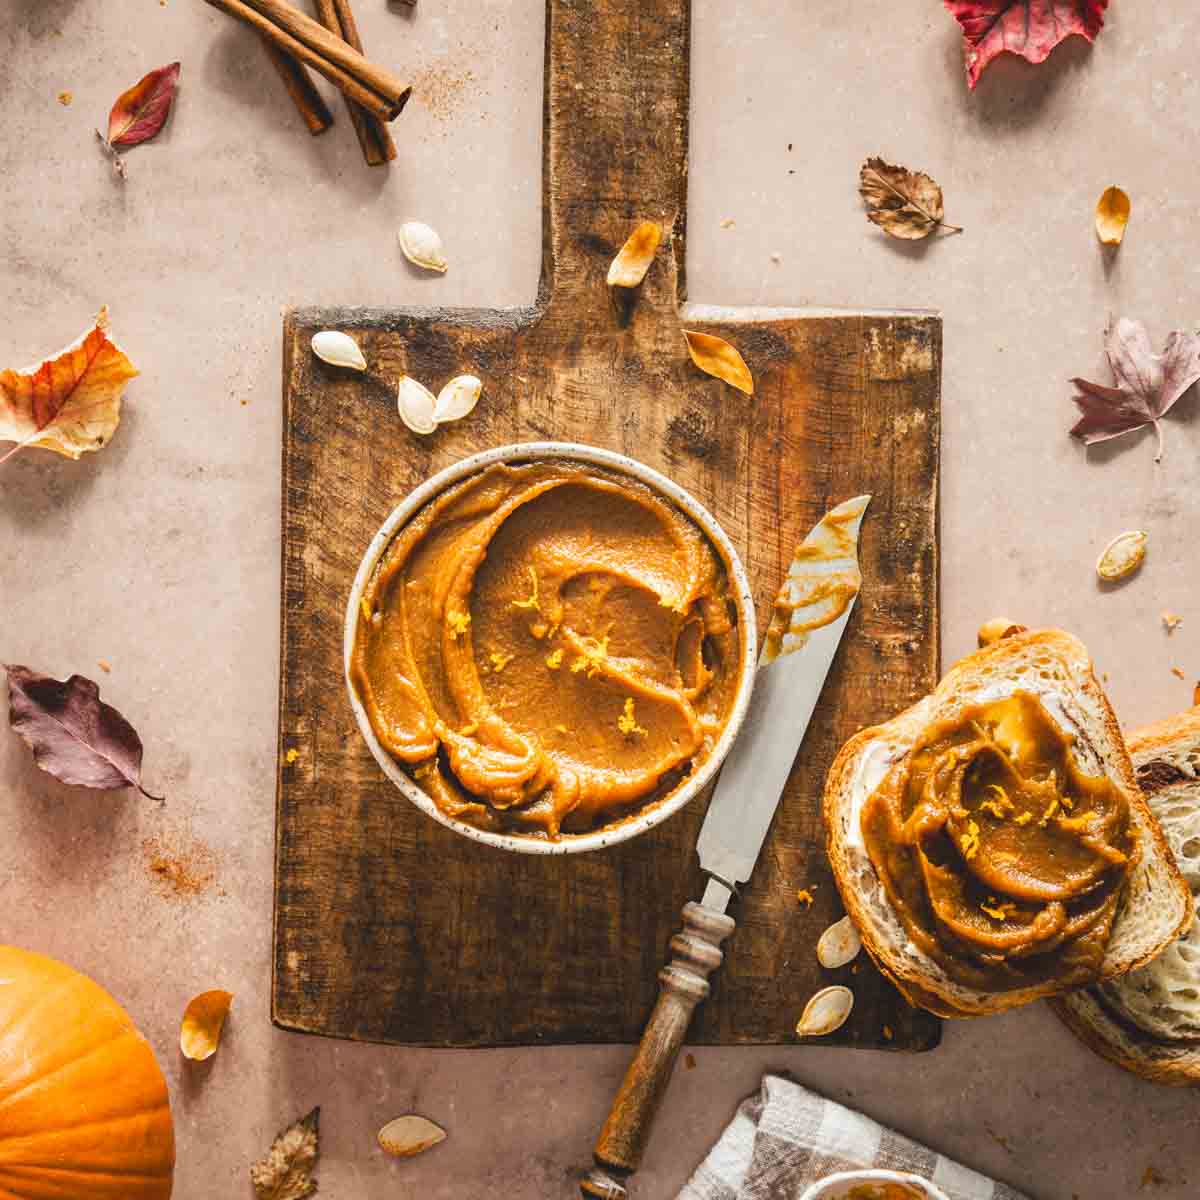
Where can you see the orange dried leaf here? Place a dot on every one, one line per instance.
(140, 113)
(409, 1135)
(633, 260)
(1112, 215)
(70, 403)
(715, 356)
(203, 1020)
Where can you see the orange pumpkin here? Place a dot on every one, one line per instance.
(84, 1111)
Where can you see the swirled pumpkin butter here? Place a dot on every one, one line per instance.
(548, 647)
(1003, 860)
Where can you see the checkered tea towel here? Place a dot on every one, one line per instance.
(786, 1138)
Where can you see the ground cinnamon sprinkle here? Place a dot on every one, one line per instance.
(179, 872)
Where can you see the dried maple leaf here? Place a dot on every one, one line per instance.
(141, 112)
(1146, 384)
(70, 403)
(907, 204)
(203, 1020)
(1030, 28)
(74, 736)
(286, 1172)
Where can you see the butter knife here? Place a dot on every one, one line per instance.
(809, 618)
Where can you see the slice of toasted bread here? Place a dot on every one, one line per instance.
(1149, 1020)
(1054, 666)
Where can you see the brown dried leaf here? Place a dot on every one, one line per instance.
(139, 113)
(409, 1135)
(73, 734)
(70, 403)
(1112, 215)
(1145, 384)
(286, 1172)
(715, 356)
(906, 204)
(203, 1020)
(633, 260)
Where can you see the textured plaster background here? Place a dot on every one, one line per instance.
(160, 555)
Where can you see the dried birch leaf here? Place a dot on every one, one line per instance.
(715, 356)
(74, 736)
(1112, 215)
(633, 260)
(1030, 28)
(409, 1135)
(70, 403)
(141, 112)
(906, 204)
(1146, 384)
(203, 1020)
(286, 1172)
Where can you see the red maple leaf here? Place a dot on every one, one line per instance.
(1030, 28)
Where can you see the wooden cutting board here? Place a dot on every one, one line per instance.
(389, 927)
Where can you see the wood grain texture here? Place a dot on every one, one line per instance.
(390, 927)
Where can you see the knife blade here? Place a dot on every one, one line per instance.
(810, 615)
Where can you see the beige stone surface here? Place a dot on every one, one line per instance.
(160, 555)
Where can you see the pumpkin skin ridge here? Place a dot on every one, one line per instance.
(44, 1077)
(69, 1051)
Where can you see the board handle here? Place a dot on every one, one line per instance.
(684, 983)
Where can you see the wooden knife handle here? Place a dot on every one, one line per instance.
(697, 953)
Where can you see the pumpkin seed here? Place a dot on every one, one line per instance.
(825, 1012)
(338, 349)
(422, 246)
(416, 405)
(838, 945)
(1122, 556)
(633, 260)
(409, 1135)
(1112, 215)
(457, 398)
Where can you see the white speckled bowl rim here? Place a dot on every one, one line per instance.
(744, 601)
(827, 1188)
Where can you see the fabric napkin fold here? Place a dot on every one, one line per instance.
(786, 1138)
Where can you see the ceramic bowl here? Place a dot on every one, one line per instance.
(608, 836)
(842, 1186)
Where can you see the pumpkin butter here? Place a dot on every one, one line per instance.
(550, 647)
(1004, 862)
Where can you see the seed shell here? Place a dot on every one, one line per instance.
(826, 1012)
(416, 405)
(338, 349)
(1122, 556)
(422, 245)
(457, 399)
(409, 1135)
(838, 945)
(633, 260)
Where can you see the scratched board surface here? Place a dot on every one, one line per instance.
(390, 927)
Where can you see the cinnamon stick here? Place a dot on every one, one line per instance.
(376, 89)
(308, 101)
(373, 138)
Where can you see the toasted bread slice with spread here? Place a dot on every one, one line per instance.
(1154, 904)
(1148, 1021)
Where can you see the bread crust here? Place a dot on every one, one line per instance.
(1085, 1012)
(918, 981)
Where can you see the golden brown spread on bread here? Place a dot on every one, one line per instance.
(883, 1191)
(1002, 859)
(550, 647)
